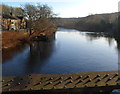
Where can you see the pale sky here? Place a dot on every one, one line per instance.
(73, 8)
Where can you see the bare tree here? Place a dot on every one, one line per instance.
(39, 17)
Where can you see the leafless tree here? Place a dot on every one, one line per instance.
(39, 17)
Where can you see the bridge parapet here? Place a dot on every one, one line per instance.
(67, 81)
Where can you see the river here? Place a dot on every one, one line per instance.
(70, 51)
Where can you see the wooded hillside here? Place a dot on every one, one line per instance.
(95, 23)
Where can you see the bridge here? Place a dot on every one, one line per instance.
(68, 83)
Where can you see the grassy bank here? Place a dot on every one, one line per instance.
(12, 39)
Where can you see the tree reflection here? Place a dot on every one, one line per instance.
(118, 46)
(40, 52)
(94, 36)
(109, 38)
(8, 54)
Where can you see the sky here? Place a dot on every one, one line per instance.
(72, 8)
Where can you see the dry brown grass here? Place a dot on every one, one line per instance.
(12, 39)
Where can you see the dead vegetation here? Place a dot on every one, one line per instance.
(12, 39)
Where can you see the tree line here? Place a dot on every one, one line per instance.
(16, 11)
(92, 23)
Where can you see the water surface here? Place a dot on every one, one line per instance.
(71, 51)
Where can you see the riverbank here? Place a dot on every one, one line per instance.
(12, 39)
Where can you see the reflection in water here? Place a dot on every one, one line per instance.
(118, 43)
(8, 54)
(71, 52)
(40, 52)
(27, 59)
(95, 36)
(118, 46)
(110, 40)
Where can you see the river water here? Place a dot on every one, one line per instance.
(70, 51)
